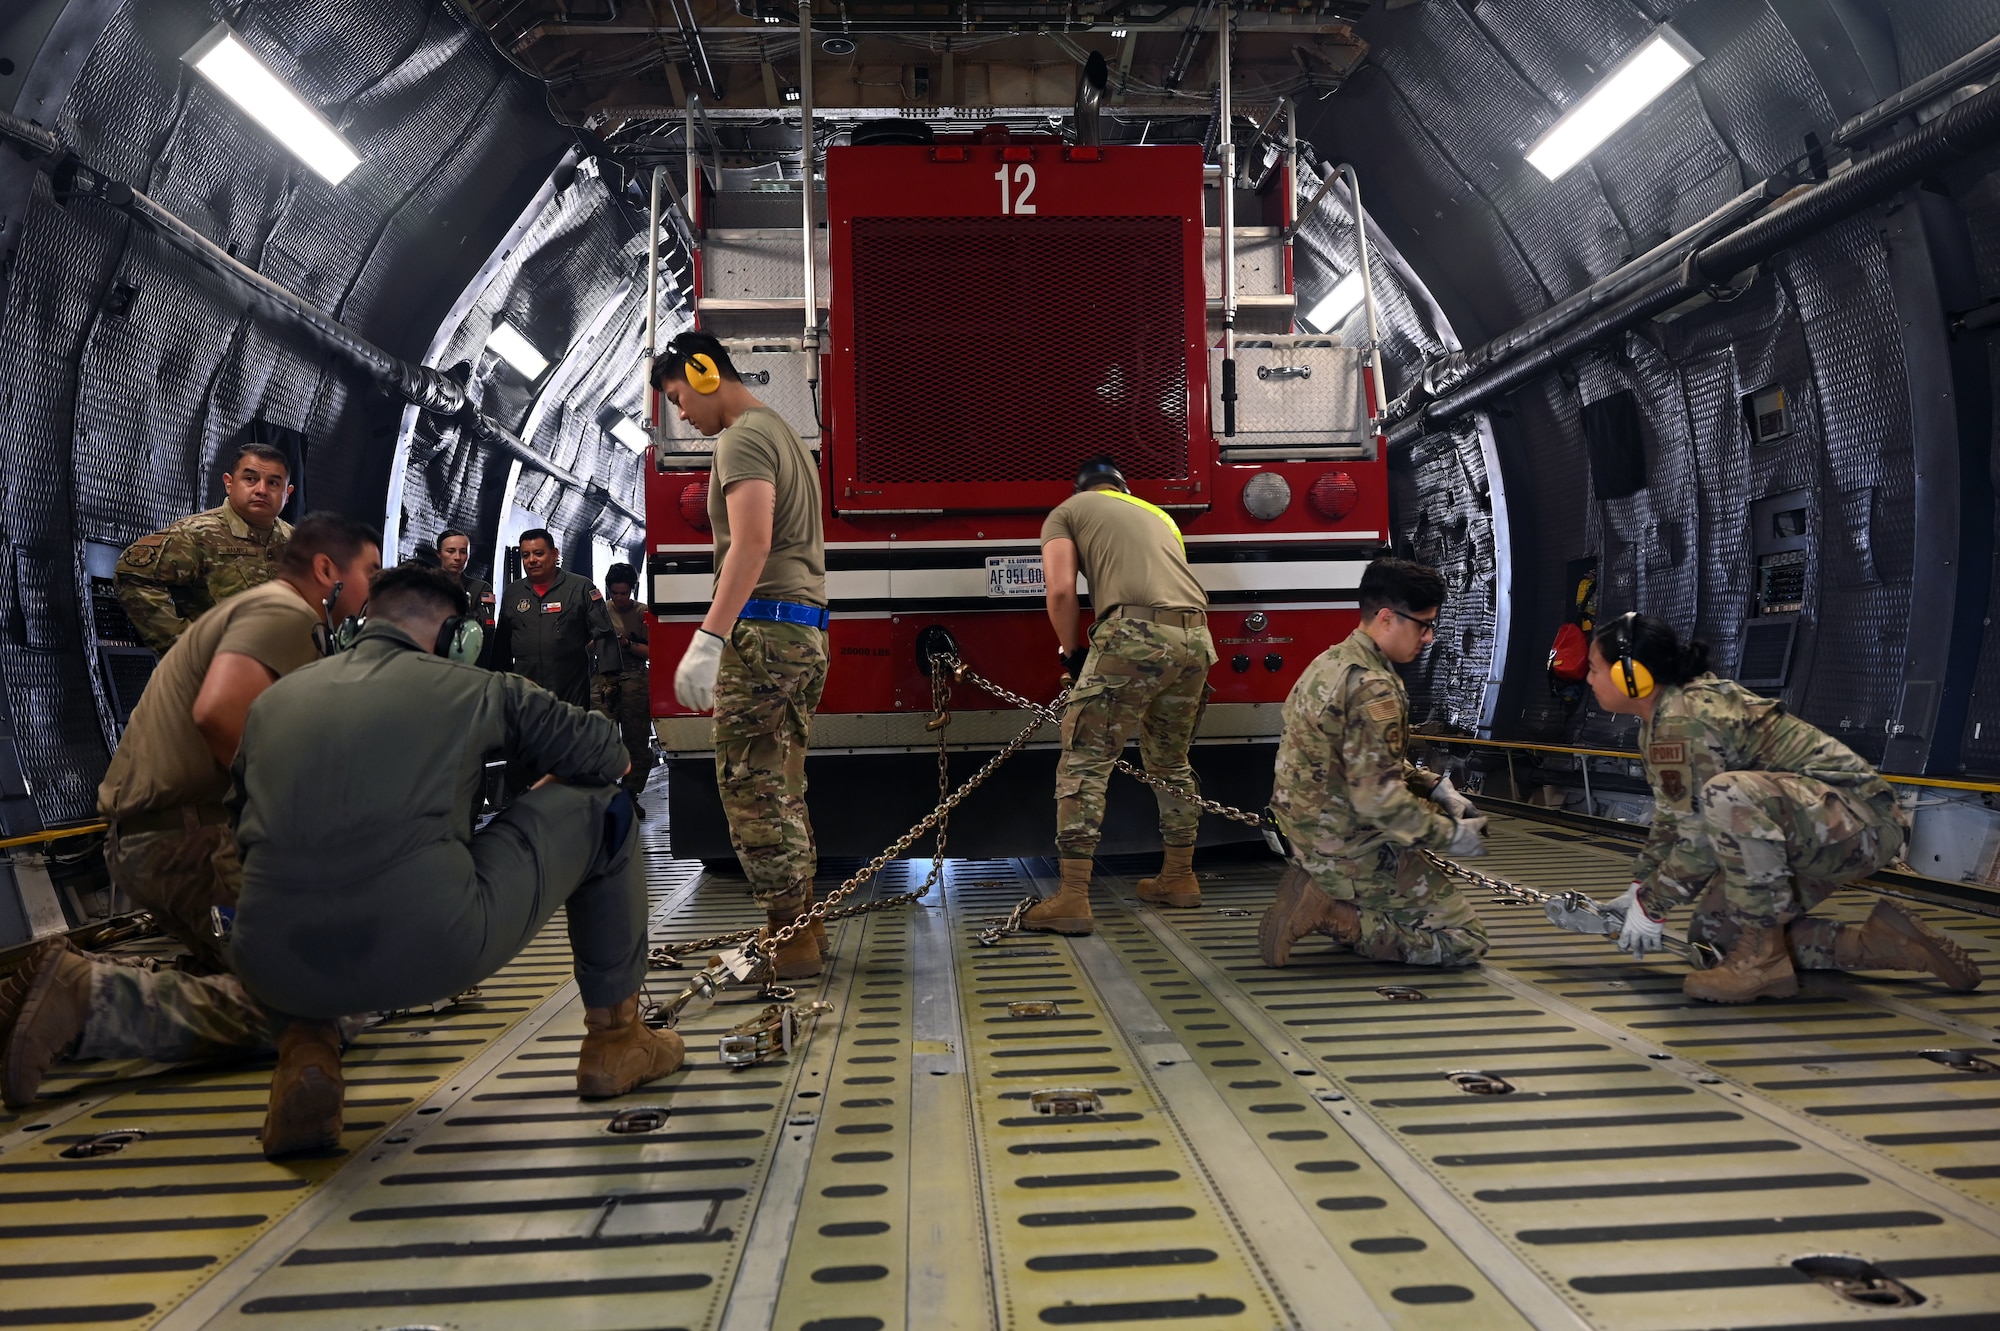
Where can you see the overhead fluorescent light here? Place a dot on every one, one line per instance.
(506, 342)
(1628, 89)
(223, 59)
(1337, 304)
(631, 434)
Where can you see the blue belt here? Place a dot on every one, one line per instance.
(785, 612)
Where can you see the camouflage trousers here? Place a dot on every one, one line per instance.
(179, 875)
(1410, 912)
(1139, 676)
(765, 693)
(1783, 843)
(627, 699)
(172, 1016)
(1771, 833)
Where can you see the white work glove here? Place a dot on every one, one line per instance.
(1470, 840)
(694, 678)
(1641, 933)
(1445, 795)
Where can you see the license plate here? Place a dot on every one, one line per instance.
(1014, 575)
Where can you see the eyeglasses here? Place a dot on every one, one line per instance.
(1427, 627)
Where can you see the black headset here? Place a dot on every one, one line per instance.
(1097, 470)
(1633, 676)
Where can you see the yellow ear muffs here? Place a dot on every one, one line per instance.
(1634, 677)
(1638, 681)
(702, 376)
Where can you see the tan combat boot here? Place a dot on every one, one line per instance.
(1068, 911)
(1300, 908)
(802, 956)
(1893, 939)
(44, 1004)
(622, 1053)
(1176, 885)
(1759, 966)
(306, 1090)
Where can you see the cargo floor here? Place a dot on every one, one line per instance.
(1259, 1148)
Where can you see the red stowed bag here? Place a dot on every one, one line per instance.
(1569, 656)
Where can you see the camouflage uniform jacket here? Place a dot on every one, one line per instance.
(167, 579)
(1709, 726)
(1343, 788)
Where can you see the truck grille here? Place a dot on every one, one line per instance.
(1009, 349)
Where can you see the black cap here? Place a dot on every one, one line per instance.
(1097, 470)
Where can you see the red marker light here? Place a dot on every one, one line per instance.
(1334, 495)
(694, 505)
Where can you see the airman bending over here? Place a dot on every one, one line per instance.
(1144, 668)
(170, 847)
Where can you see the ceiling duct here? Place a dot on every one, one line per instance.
(1090, 86)
(1967, 127)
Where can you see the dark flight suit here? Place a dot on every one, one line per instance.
(623, 691)
(364, 885)
(485, 605)
(550, 639)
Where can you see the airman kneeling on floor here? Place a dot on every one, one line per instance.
(1354, 808)
(1757, 817)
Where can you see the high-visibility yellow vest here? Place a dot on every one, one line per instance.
(1155, 510)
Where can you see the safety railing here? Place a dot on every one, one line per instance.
(53, 834)
(1510, 747)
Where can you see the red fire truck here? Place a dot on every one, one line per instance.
(1000, 305)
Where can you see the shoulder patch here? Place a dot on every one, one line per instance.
(596, 595)
(142, 553)
(1385, 709)
(1675, 752)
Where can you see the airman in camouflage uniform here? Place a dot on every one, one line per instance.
(1143, 667)
(626, 696)
(1354, 809)
(758, 658)
(1758, 817)
(765, 696)
(167, 579)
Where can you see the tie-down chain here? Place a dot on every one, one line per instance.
(773, 1031)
